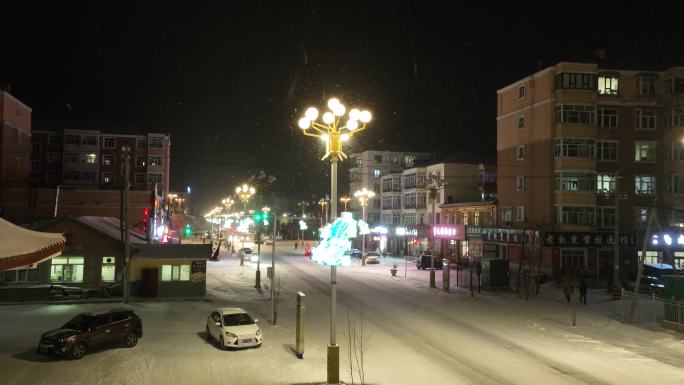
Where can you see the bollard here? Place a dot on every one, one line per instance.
(445, 274)
(299, 344)
(432, 270)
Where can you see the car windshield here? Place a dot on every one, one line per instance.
(237, 319)
(80, 322)
(248, 251)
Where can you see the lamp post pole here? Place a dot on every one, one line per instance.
(333, 133)
(363, 195)
(434, 186)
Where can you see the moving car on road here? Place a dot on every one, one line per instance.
(233, 328)
(372, 257)
(425, 262)
(87, 331)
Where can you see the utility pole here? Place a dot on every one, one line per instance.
(274, 315)
(616, 242)
(126, 154)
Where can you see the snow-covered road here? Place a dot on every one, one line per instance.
(416, 335)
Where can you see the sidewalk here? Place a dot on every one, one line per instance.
(105, 300)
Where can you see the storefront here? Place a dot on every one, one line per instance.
(503, 243)
(666, 247)
(450, 240)
(592, 252)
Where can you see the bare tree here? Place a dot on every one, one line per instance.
(357, 341)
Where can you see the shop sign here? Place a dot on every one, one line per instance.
(513, 236)
(198, 271)
(405, 232)
(473, 232)
(447, 231)
(588, 239)
(669, 241)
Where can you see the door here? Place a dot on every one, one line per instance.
(121, 324)
(605, 268)
(149, 284)
(215, 330)
(100, 332)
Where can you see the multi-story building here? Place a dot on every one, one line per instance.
(92, 158)
(581, 148)
(15, 139)
(368, 168)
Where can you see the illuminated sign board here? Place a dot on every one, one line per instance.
(405, 232)
(448, 231)
(302, 225)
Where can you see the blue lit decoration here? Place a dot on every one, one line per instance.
(335, 242)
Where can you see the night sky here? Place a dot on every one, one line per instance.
(228, 80)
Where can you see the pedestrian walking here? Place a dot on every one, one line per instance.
(296, 244)
(567, 290)
(583, 291)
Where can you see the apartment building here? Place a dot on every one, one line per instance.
(581, 148)
(15, 139)
(367, 170)
(92, 158)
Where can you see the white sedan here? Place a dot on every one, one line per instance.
(233, 328)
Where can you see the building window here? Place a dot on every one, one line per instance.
(678, 184)
(605, 216)
(521, 122)
(645, 151)
(35, 166)
(89, 141)
(154, 178)
(506, 215)
(521, 92)
(606, 150)
(175, 273)
(156, 142)
(72, 139)
(409, 160)
(576, 215)
(139, 178)
(377, 173)
(108, 273)
(574, 148)
(52, 176)
(71, 157)
(608, 84)
(641, 216)
(476, 218)
(155, 161)
(35, 148)
(645, 118)
(575, 81)
(141, 144)
(377, 158)
(605, 183)
(575, 113)
(520, 183)
(646, 86)
(520, 152)
(140, 161)
(66, 269)
(572, 258)
(51, 157)
(107, 178)
(108, 160)
(89, 158)
(574, 181)
(644, 184)
(607, 117)
(676, 118)
(53, 140)
(108, 142)
(409, 218)
(21, 276)
(520, 213)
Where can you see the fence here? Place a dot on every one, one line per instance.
(652, 312)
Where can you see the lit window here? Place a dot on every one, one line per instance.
(108, 160)
(506, 214)
(644, 184)
(66, 269)
(108, 269)
(175, 273)
(377, 173)
(107, 178)
(90, 158)
(645, 151)
(605, 183)
(608, 84)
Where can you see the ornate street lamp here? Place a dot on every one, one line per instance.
(434, 185)
(245, 192)
(345, 200)
(333, 131)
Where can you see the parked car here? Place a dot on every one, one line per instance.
(649, 284)
(88, 331)
(355, 253)
(425, 262)
(372, 258)
(233, 328)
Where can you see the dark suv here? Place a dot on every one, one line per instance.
(425, 262)
(92, 330)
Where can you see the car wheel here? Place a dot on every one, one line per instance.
(78, 351)
(207, 335)
(223, 346)
(131, 340)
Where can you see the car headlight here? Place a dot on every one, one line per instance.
(67, 339)
(231, 335)
(258, 332)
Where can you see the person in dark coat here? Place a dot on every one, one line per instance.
(583, 291)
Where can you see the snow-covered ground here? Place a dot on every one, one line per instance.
(416, 335)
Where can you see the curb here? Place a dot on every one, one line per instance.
(113, 300)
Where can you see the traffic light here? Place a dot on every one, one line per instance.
(258, 217)
(146, 219)
(187, 231)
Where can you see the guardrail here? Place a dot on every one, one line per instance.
(652, 312)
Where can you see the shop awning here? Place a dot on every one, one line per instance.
(22, 247)
(172, 251)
